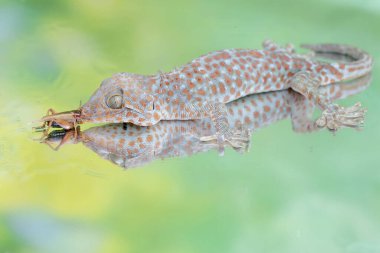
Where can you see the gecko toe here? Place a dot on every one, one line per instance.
(337, 117)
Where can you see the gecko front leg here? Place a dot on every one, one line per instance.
(224, 134)
(333, 116)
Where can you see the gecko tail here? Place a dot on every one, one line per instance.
(354, 61)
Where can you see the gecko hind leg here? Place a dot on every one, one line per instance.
(333, 116)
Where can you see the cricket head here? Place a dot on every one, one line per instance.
(121, 98)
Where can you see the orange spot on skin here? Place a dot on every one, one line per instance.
(222, 88)
(266, 108)
(242, 61)
(352, 69)
(213, 89)
(149, 138)
(319, 68)
(225, 55)
(335, 72)
(228, 80)
(290, 74)
(191, 85)
(189, 75)
(201, 92)
(156, 116)
(170, 93)
(239, 83)
(131, 143)
(255, 54)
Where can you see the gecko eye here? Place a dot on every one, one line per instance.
(115, 101)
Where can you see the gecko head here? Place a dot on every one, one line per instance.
(121, 99)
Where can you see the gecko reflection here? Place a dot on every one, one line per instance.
(131, 146)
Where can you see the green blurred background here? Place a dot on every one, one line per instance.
(291, 193)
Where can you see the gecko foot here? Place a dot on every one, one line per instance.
(336, 117)
(237, 138)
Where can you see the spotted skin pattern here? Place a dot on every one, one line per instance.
(202, 87)
(135, 145)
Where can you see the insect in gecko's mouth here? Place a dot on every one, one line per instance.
(63, 120)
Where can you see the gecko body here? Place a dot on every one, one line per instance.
(134, 146)
(202, 87)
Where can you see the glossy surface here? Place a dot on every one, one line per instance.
(134, 146)
(291, 193)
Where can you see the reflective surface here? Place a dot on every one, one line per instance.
(291, 193)
(129, 145)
